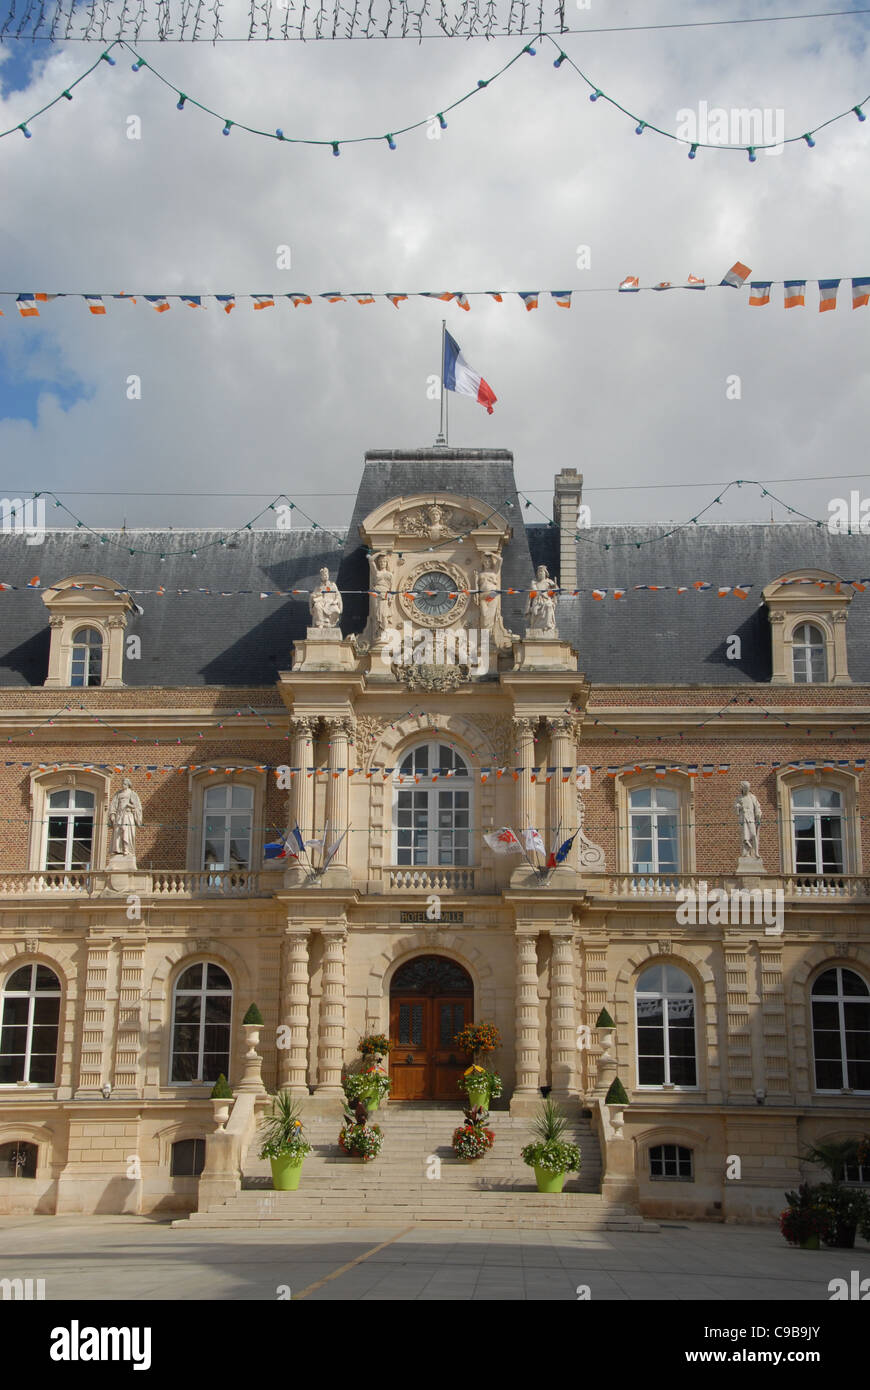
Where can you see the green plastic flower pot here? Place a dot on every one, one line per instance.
(286, 1172)
(549, 1182)
(478, 1095)
(371, 1099)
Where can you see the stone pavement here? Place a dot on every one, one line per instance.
(115, 1257)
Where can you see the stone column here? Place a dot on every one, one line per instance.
(525, 799)
(338, 795)
(330, 1049)
(562, 801)
(302, 789)
(528, 1079)
(293, 1015)
(563, 1028)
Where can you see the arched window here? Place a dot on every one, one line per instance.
(29, 1020)
(228, 814)
(671, 1163)
(86, 662)
(187, 1159)
(18, 1159)
(654, 822)
(201, 1018)
(808, 654)
(841, 1031)
(432, 799)
(70, 839)
(817, 829)
(665, 1002)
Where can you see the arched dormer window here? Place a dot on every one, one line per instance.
(432, 806)
(87, 616)
(808, 611)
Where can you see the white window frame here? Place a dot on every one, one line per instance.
(203, 992)
(69, 814)
(808, 648)
(839, 999)
(654, 813)
(42, 784)
(834, 779)
(404, 782)
(665, 996)
(816, 813)
(32, 994)
(684, 786)
(228, 811)
(244, 775)
(75, 643)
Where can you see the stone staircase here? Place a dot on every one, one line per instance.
(417, 1180)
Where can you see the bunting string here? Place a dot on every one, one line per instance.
(437, 121)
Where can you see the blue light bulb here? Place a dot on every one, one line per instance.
(441, 121)
(593, 96)
(335, 150)
(279, 134)
(28, 134)
(106, 59)
(140, 63)
(560, 60)
(531, 51)
(390, 141)
(810, 141)
(859, 113)
(227, 127)
(181, 100)
(483, 82)
(639, 130)
(693, 151)
(752, 155)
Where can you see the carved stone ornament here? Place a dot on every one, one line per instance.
(435, 522)
(590, 856)
(368, 730)
(441, 678)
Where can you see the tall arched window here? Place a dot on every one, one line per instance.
(808, 654)
(432, 800)
(817, 828)
(86, 662)
(841, 1031)
(665, 1005)
(201, 1018)
(29, 1021)
(228, 813)
(654, 822)
(70, 839)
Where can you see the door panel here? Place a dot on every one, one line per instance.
(424, 1063)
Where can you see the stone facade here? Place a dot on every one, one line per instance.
(325, 746)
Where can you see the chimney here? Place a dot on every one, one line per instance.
(566, 505)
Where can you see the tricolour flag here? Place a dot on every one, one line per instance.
(27, 306)
(193, 301)
(630, 285)
(299, 298)
(457, 376)
(503, 841)
(759, 292)
(263, 301)
(562, 298)
(446, 295)
(662, 285)
(561, 854)
(132, 298)
(158, 302)
(396, 299)
(828, 295)
(794, 294)
(366, 297)
(529, 298)
(276, 849)
(695, 282)
(227, 302)
(496, 295)
(736, 275)
(860, 291)
(462, 300)
(95, 303)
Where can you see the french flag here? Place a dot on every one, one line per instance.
(459, 377)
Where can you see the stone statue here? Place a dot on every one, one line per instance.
(325, 603)
(125, 814)
(748, 810)
(381, 585)
(488, 582)
(541, 608)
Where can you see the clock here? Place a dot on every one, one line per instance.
(440, 603)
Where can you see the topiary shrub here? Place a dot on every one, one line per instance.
(253, 1015)
(604, 1020)
(616, 1094)
(221, 1090)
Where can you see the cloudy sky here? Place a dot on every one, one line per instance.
(632, 390)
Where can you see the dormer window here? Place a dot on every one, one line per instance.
(808, 611)
(88, 617)
(86, 667)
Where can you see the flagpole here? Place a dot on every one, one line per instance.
(442, 434)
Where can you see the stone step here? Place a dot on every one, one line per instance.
(437, 1222)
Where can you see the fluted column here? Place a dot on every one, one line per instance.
(302, 788)
(563, 1028)
(330, 1050)
(338, 788)
(293, 1014)
(527, 1023)
(562, 801)
(525, 798)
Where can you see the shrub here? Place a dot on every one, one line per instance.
(549, 1150)
(221, 1090)
(282, 1129)
(604, 1020)
(253, 1015)
(616, 1094)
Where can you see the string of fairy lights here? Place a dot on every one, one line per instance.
(436, 123)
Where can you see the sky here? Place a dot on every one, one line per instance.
(635, 391)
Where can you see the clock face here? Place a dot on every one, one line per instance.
(439, 603)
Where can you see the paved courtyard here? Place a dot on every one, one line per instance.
(116, 1257)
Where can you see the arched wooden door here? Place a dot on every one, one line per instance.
(431, 998)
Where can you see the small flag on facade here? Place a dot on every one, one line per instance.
(630, 285)
(27, 307)
(396, 299)
(759, 292)
(529, 298)
(227, 302)
(695, 282)
(860, 292)
(297, 299)
(263, 301)
(503, 841)
(828, 295)
(562, 298)
(736, 275)
(158, 302)
(95, 303)
(794, 294)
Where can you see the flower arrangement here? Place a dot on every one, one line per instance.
(472, 1139)
(804, 1218)
(478, 1037)
(358, 1138)
(370, 1082)
(550, 1152)
(283, 1135)
(374, 1045)
(476, 1078)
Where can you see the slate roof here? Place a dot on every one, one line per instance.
(644, 639)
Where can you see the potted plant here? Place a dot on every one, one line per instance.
(550, 1155)
(374, 1045)
(284, 1142)
(358, 1138)
(471, 1140)
(478, 1038)
(847, 1207)
(616, 1093)
(371, 1085)
(480, 1085)
(221, 1095)
(804, 1222)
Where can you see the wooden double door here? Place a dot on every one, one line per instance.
(431, 999)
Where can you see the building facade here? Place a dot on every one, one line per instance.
(398, 693)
